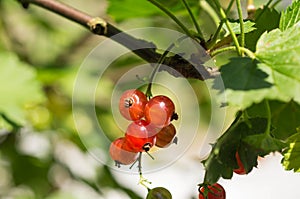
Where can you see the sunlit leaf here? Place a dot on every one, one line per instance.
(291, 156)
(275, 76)
(291, 16)
(280, 51)
(249, 26)
(18, 87)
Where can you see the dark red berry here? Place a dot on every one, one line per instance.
(165, 136)
(215, 191)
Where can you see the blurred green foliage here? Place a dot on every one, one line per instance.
(40, 55)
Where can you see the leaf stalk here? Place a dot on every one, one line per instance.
(224, 17)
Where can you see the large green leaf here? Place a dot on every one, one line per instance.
(276, 74)
(284, 117)
(291, 156)
(265, 143)
(291, 16)
(243, 74)
(124, 9)
(18, 87)
(280, 51)
(221, 161)
(245, 83)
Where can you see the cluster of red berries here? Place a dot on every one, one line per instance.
(150, 126)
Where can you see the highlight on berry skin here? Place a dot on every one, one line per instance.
(159, 111)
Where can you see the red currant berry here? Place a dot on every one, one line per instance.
(241, 170)
(120, 153)
(159, 111)
(165, 136)
(132, 104)
(140, 136)
(215, 191)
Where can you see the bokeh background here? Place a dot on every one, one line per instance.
(43, 155)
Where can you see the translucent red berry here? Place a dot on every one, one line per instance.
(215, 191)
(165, 136)
(140, 136)
(241, 170)
(120, 152)
(132, 104)
(159, 111)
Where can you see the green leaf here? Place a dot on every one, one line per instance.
(291, 156)
(241, 73)
(280, 53)
(264, 143)
(291, 16)
(276, 75)
(284, 117)
(244, 82)
(123, 9)
(18, 87)
(37, 170)
(221, 161)
(249, 26)
(265, 19)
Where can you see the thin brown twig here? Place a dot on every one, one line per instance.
(144, 49)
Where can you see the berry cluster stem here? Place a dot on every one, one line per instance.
(157, 66)
(142, 181)
(160, 61)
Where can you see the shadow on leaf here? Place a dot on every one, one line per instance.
(242, 73)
